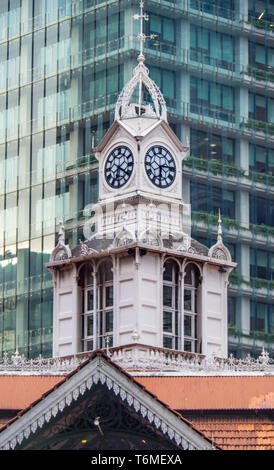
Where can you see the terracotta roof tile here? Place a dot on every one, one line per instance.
(216, 397)
(30, 393)
(234, 392)
(251, 427)
(251, 432)
(18, 392)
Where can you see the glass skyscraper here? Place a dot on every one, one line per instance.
(62, 65)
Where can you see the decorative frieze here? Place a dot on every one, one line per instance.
(140, 358)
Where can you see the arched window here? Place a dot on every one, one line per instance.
(86, 282)
(171, 305)
(97, 311)
(191, 327)
(105, 304)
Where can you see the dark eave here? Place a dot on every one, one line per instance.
(164, 251)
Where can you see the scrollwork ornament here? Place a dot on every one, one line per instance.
(54, 411)
(62, 405)
(109, 383)
(48, 416)
(123, 394)
(20, 438)
(129, 399)
(219, 254)
(136, 405)
(34, 426)
(27, 432)
(83, 388)
(184, 444)
(102, 378)
(164, 427)
(41, 421)
(157, 422)
(61, 255)
(69, 399)
(96, 378)
(116, 389)
(75, 393)
(13, 443)
(170, 433)
(89, 383)
(143, 411)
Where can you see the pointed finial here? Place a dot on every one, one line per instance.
(124, 109)
(61, 233)
(220, 231)
(142, 39)
(141, 36)
(264, 357)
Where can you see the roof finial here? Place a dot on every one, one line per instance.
(220, 231)
(142, 38)
(219, 250)
(124, 109)
(61, 233)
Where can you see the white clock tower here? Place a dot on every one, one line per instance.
(140, 281)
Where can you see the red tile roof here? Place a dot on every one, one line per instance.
(243, 432)
(35, 387)
(236, 411)
(18, 392)
(234, 392)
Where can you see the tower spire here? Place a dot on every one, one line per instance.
(142, 39)
(61, 233)
(141, 36)
(220, 231)
(124, 109)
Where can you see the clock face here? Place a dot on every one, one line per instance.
(119, 167)
(160, 166)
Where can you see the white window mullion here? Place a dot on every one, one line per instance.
(94, 309)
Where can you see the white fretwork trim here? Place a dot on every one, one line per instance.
(154, 361)
(123, 107)
(146, 359)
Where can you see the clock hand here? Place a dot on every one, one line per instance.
(121, 172)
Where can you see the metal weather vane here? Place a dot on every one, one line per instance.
(141, 36)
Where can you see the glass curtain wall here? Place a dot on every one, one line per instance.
(58, 85)
(62, 64)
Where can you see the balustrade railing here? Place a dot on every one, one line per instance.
(141, 358)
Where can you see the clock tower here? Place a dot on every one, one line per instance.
(140, 154)
(139, 281)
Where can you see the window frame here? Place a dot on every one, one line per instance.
(104, 309)
(193, 338)
(174, 335)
